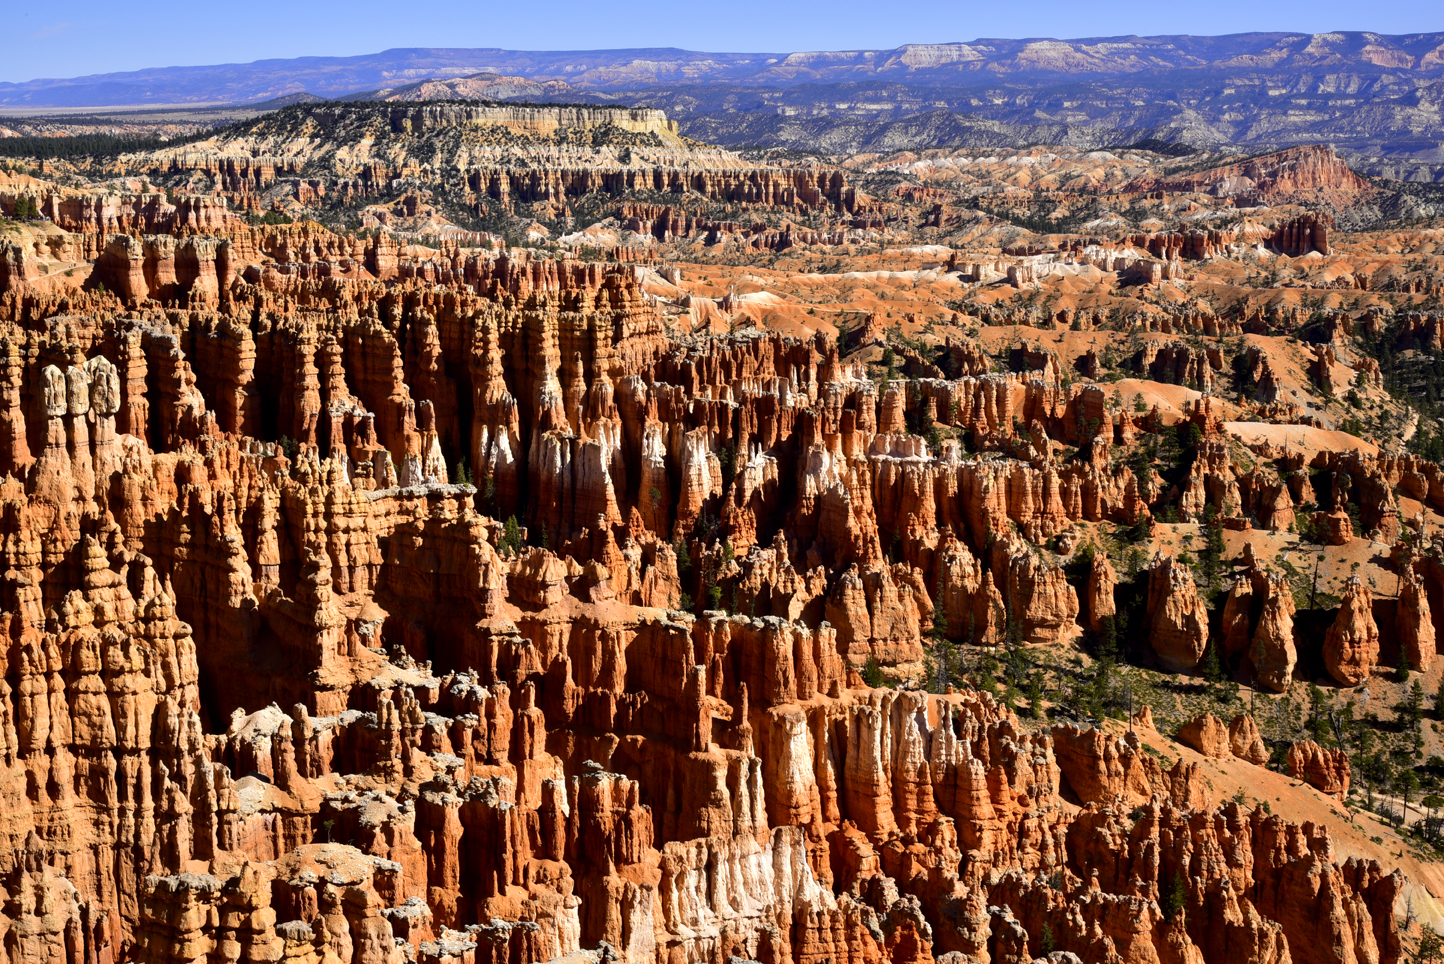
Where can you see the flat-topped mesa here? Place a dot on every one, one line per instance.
(668, 224)
(540, 119)
(1295, 237)
(505, 153)
(239, 172)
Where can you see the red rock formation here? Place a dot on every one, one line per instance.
(17, 269)
(1101, 583)
(1413, 622)
(1101, 767)
(1237, 633)
(1310, 170)
(1351, 645)
(1326, 770)
(608, 693)
(1177, 616)
(1207, 734)
(1245, 742)
(1272, 651)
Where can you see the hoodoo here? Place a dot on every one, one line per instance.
(444, 530)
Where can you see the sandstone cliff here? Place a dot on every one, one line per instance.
(282, 685)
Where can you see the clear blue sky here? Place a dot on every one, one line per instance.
(49, 39)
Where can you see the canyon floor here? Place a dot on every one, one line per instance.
(474, 533)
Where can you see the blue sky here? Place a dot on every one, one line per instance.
(87, 37)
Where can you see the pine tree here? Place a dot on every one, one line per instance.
(1414, 703)
(987, 675)
(1035, 697)
(1431, 948)
(944, 657)
(1046, 944)
(943, 652)
(1176, 898)
(940, 616)
(1108, 646)
(1211, 557)
(939, 631)
(511, 536)
(1193, 435)
(1213, 673)
(684, 558)
(872, 673)
(725, 460)
(1406, 782)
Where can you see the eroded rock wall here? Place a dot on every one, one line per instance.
(281, 684)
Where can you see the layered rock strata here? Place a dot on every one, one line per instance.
(281, 685)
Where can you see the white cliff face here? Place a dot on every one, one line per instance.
(495, 451)
(701, 477)
(572, 485)
(736, 889)
(433, 463)
(794, 785)
(639, 929)
(412, 472)
(609, 435)
(550, 401)
(654, 496)
(822, 473)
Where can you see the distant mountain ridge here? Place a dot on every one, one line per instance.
(1375, 98)
(949, 64)
(1385, 122)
